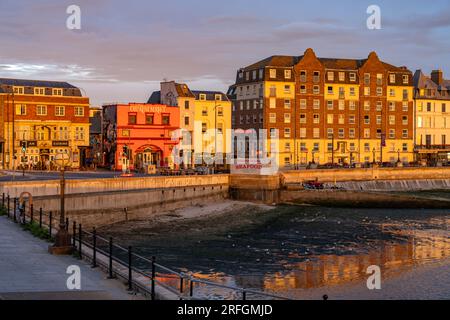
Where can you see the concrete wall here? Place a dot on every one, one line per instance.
(52, 187)
(340, 175)
(105, 208)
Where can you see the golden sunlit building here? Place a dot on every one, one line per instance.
(432, 114)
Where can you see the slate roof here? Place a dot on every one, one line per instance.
(36, 83)
(210, 95)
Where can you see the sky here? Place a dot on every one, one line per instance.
(124, 49)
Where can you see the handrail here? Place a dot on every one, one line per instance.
(153, 275)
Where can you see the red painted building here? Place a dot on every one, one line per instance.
(139, 135)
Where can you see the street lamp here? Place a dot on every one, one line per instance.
(62, 239)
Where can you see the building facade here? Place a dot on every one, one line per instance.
(200, 113)
(40, 120)
(136, 136)
(432, 117)
(327, 110)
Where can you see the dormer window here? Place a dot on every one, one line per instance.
(202, 96)
(57, 92)
(39, 91)
(273, 73)
(392, 78)
(218, 97)
(18, 90)
(405, 79)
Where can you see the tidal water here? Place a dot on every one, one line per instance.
(295, 248)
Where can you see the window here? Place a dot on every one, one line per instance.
(273, 132)
(220, 110)
(405, 133)
(79, 133)
(330, 90)
(316, 104)
(272, 103)
(391, 106)
(287, 74)
(341, 133)
(367, 133)
(341, 105)
(352, 105)
(287, 132)
(202, 97)
(287, 89)
(392, 92)
(367, 91)
(351, 119)
(272, 117)
(186, 105)
(316, 77)
(341, 76)
(204, 127)
(405, 79)
(254, 74)
(287, 118)
(351, 133)
(341, 93)
(261, 73)
(18, 90)
(39, 91)
(419, 122)
(366, 119)
(186, 120)
(302, 132)
(392, 78)
(303, 104)
(379, 91)
(330, 133)
(366, 147)
(79, 111)
(41, 110)
(341, 119)
(302, 118)
(366, 105)
(378, 119)
(287, 104)
(379, 106)
(352, 91)
(379, 79)
(316, 133)
(405, 147)
(287, 148)
(391, 133)
(316, 118)
(149, 119)
(405, 106)
(444, 109)
(330, 118)
(405, 120)
(352, 77)
(60, 111)
(21, 109)
(132, 118)
(247, 76)
(57, 92)
(367, 79)
(429, 107)
(302, 76)
(205, 110)
(273, 73)
(405, 94)
(303, 89)
(330, 75)
(330, 104)
(165, 119)
(316, 90)
(391, 120)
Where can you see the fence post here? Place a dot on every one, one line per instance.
(31, 213)
(9, 204)
(153, 277)
(80, 239)
(74, 233)
(14, 210)
(191, 288)
(50, 224)
(94, 248)
(40, 217)
(130, 271)
(110, 258)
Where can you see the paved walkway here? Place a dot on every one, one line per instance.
(28, 271)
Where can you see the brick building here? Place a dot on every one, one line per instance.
(328, 110)
(46, 117)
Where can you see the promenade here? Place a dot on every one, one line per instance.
(28, 271)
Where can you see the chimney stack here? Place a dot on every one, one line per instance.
(437, 76)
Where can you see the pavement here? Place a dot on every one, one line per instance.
(29, 272)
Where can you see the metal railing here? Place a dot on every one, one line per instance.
(141, 274)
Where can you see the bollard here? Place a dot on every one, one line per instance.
(50, 224)
(110, 258)
(40, 217)
(94, 248)
(74, 233)
(130, 272)
(80, 239)
(31, 213)
(14, 210)
(181, 284)
(9, 205)
(153, 278)
(244, 295)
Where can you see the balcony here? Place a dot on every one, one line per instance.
(433, 147)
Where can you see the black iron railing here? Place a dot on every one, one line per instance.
(141, 274)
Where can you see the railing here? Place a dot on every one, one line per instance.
(141, 274)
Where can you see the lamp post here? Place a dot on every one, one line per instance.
(373, 156)
(62, 239)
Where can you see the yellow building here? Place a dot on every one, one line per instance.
(200, 113)
(432, 118)
(42, 119)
